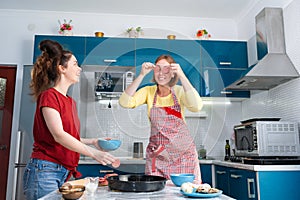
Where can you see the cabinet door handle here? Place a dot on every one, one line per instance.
(250, 181)
(225, 63)
(221, 172)
(109, 60)
(235, 176)
(226, 92)
(106, 171)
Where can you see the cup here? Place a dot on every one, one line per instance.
(138, 150)
(92, 185)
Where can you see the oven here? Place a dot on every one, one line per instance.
(267, 139)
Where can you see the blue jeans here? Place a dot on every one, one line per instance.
(42, 177)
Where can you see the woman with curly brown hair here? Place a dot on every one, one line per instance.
(56, 129)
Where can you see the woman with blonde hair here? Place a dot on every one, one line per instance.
(171, 148)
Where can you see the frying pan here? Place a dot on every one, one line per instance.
(136, 183)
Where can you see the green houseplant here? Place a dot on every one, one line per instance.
(134, 32)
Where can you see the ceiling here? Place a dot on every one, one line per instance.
(226, 9)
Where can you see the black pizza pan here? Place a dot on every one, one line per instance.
(136, 183)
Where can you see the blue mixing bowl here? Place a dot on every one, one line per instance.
(109, 145)
(178, 179)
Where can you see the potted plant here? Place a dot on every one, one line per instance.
(203, 34)
(134, 32)
(65, 28)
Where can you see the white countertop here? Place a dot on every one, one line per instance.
(257, 167)
(103, 193)
(130, 160)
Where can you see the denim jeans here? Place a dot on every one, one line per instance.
(42, 177)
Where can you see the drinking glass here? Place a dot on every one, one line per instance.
(92, 185)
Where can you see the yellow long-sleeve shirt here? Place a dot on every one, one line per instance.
(190, 99)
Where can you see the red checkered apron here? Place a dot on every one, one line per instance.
(171, 148)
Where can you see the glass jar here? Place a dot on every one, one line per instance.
(202, 152)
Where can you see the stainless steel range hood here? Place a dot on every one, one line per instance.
(274, 67)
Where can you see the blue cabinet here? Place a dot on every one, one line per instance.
(216, 79)
(147, 50)
(245, 184)
(184, 52)
(222, 179)
(75, 44)
(237, 183)
(110, 51)
(224, 54)
(279, 184)
(209, 65)
(223, 62)
(187, 54)
(94, 170)
(242, 184)
(206, 173)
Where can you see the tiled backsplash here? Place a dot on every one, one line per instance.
(132, 125)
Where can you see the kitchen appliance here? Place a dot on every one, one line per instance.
(24, 135)
(267, 139)
(136, 183)
(274, 66)
(109, 81)
(138, 150)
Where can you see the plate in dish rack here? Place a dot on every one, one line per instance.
(203, 195)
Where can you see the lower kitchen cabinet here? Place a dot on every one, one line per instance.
(237, 183)
(222, 179)
(245, 184)
(242, 184)
(206, 173)
(93, 170)
(279, 185)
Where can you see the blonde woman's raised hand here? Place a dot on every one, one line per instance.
(175, 68)
(147, 67)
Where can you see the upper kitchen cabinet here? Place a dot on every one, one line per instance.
(222, 63)
(75, 44)
(147, 50)
(184, 52)
(224, 54)
(215, 80)
(110, 51)
(187, 54)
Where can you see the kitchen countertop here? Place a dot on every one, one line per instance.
(169, 192)
(257, 167)
(129, 160)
